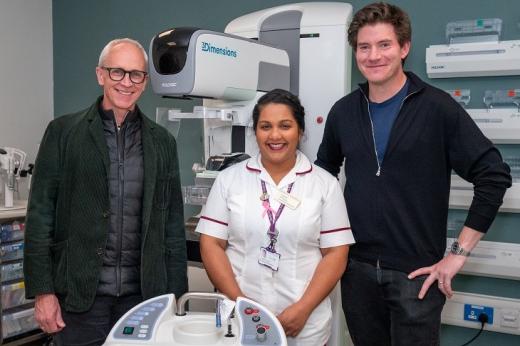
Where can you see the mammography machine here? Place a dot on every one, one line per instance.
(298, 47)
(163, 321)
(301, 47)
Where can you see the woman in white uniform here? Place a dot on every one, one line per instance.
(275, 227)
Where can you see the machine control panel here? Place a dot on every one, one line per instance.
(258, 326)
(139, 323)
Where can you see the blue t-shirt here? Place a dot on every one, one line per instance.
(383, 116)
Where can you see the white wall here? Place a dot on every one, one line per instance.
(26, 72)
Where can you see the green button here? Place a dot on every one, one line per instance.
(128, 330)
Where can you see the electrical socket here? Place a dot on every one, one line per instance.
(503, 313)
(472, 313)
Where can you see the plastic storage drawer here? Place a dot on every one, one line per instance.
(18, 322)
(12, 271)
(12, 231)
(14, 295)
(9, 252)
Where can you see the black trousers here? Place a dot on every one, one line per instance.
(382, 309)
(92, 327)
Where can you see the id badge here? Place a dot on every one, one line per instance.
(286, 199)
(269, 259)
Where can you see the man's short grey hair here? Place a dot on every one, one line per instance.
(117, 41)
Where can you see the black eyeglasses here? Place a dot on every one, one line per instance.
(118, 74)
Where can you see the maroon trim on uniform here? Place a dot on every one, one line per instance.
(305, 172)
(210, 219)
(252, 169)
(335, 230)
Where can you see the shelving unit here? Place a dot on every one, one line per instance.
(17, 313)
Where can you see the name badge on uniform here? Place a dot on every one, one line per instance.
(286, 199)
(269, 259)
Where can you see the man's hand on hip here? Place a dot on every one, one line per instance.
(47, 313)
(442, 272)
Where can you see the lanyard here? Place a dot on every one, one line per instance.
(272, 232)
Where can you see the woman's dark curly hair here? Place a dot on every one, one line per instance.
(280, 96)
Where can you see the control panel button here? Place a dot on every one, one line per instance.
(128, 330)
(256, 318)
(261, 334)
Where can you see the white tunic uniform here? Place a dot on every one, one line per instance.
(234, 212)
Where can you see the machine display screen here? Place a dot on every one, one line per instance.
(128, 330)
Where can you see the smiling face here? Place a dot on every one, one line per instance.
(379, 55)
(121, 96)
(277, 135)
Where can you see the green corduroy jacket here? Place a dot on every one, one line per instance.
(69, 212)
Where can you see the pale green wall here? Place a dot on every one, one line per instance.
(82, 27)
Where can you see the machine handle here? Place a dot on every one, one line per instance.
(197, 295)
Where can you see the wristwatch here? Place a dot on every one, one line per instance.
(456, 249)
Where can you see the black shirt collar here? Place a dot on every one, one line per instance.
(108, 114)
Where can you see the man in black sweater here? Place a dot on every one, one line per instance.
(400, 139)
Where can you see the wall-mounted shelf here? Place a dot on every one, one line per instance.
(500, 125)
(492, 259)
(461, 195)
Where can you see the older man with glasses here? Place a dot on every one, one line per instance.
(105, 220)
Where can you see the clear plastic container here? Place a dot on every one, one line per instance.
(462, 96)
(10, 252)
(473, 30)
(12, 271)
(18, 322)
(195, 194)
(12, 231)
(14, 295)
(502, 98)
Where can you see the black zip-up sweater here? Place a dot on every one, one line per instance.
(398, 209)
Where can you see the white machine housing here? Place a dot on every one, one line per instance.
(474, 59)
(315, 35)
(157, 322)
(202, 63)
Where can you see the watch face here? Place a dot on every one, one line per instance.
(455, 247)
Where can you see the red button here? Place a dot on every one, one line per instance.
(319, 119)
(248, 311)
